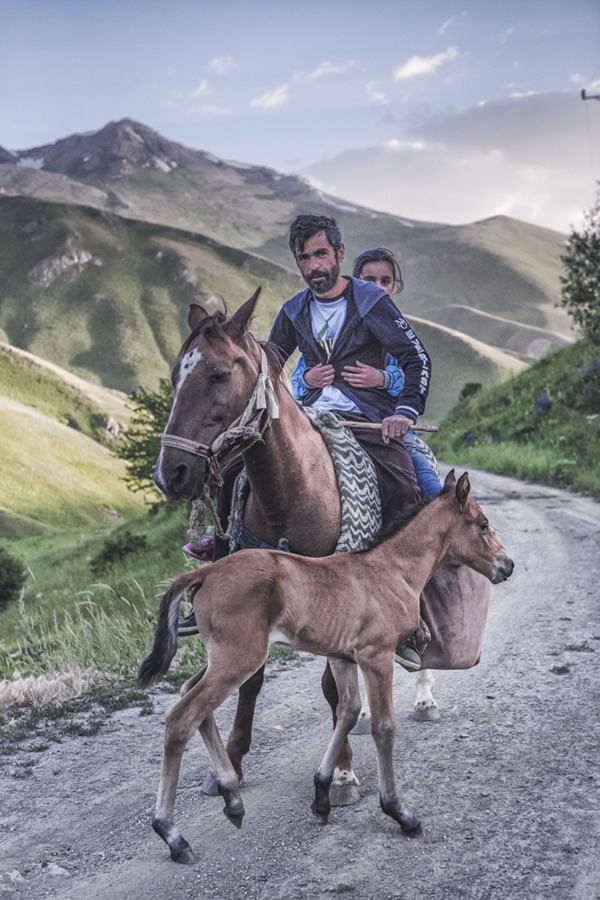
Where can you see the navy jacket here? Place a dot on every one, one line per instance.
(373, 328)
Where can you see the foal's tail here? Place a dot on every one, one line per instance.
(157, 663)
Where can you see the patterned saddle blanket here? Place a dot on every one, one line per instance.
(357, 484)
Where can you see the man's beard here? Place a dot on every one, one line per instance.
(321, 282)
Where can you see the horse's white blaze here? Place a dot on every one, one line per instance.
(186, 367)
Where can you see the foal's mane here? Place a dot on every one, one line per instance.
(398, 523)
(212, 329)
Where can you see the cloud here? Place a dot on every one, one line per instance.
(526, 157)
(222, 64)
(375, 95)
(202, 89)
(210, 109)
(424, 65)
(271, 99)
(326, 68)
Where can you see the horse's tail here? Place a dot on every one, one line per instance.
(157, 663)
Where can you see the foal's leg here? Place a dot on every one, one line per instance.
(348, 709)
(378, 669)
(240, 737)
(344, 789)
(206, 692)
(425, 709)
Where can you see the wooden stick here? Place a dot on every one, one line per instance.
(376, 426)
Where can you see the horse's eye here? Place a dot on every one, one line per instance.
(484, 527)
(220, 377)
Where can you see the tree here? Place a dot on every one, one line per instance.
(141, 444)
(581, 281)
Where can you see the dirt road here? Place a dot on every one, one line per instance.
(506, 783)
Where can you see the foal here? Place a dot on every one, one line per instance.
(351, 607)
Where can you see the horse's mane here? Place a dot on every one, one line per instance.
(212, 329)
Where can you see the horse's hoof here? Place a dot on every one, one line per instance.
(426, 714)
(363, 726)
(343, 794)
(210, 787)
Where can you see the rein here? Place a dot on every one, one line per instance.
(243, 432)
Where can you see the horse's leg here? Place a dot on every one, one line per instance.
(378, 669)
(425, 709)
(344, 789)
(348, 708)
(194, 710)
(240, 737)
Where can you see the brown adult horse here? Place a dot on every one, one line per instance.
(229, 399)
(247, 601)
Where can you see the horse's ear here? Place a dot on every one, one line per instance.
(196, 315)
(242, 317)
(463, 489)
(449, 482)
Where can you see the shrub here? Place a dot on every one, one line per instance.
(12, 577)
(115, 549)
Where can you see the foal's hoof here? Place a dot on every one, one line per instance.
(410, 825)
(343, 794)
(235, 814)
(210, 786)
(426, 714)
(183, 854)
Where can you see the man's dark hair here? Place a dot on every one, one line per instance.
(306, 226)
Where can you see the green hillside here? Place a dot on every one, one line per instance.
(541, 426)
(107, 298)
(56, 469)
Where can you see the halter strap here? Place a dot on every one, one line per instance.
(243, 431)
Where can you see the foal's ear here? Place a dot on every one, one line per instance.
(449, 482)
(240, 321)
(463, 488)
(196, 315)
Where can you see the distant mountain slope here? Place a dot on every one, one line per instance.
(500, 266)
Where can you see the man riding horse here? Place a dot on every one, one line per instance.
(335, 322)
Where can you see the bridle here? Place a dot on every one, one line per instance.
(243, 432)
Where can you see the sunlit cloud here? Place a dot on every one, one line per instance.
(375, 95)
(424, 65)
(222, 64)
(326, 68)
(271, 99)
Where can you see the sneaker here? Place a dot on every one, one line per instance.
(204, 552)
(187, 626)
(407, 654)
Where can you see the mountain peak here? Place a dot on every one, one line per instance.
(112, 152)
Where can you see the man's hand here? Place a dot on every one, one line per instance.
(363, 376)
(319, 376)
(395, 427)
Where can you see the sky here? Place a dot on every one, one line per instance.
(439, 110)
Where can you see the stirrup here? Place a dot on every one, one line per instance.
(187, 626)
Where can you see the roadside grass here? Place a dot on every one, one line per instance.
(542, 426)
(70, 616)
